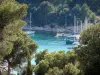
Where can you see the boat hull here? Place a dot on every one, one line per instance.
(69, 42)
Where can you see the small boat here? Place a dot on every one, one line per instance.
(30, 32)
(68, 41)
(62, 35)
(59, 34)
(72, 39)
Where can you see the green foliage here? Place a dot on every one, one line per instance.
(86, 12)
(9, 11)
(71, 69)
(93, 32)
(40, 56)
(15, 46)
(45, 7)
(54, 71)
(42, 12)
(55, 63)
(76, 10)
(43, 67)
(98, 12)
(88, 51)
(10, 23)
(61, 12)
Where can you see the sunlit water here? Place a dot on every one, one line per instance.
(47, 40)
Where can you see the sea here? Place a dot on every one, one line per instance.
(47, 40)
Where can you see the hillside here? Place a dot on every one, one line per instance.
(61, 12)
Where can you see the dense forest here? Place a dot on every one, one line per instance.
(61, 12)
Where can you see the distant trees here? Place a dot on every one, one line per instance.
(42, 13)
(61, 12)
(83, 11)
(86, 12)
(47, 14)
(76, 10)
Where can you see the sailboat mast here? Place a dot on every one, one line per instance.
(66, 20)
(81, 26)
(30, 20)
(74, 24)
(86, 21)
(77, 26)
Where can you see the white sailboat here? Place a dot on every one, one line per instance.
(86, 22)
(81, 26)
(76, 32)
(74, 24)
(30, 31)
(74, 38)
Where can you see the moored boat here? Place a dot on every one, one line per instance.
(72, 39)
(62, 35)
(30, 32)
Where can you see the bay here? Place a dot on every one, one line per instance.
(47, 40)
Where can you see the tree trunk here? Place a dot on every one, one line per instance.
(8, 67)
(29, 68)
(0, 73)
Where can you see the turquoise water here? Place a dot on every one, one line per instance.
(47, 40)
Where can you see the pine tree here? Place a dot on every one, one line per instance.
(14, 44)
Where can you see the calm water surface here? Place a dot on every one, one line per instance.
(47, 40)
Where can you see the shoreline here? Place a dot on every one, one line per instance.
(67, 29)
